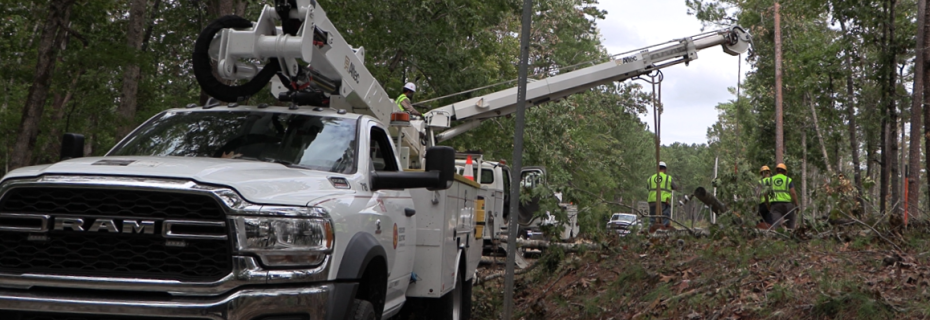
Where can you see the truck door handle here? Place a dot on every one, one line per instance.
(409, 212)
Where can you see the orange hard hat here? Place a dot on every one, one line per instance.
(782, 166)
(764, 169)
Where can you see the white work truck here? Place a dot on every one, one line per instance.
(239, 212)
(494, 203)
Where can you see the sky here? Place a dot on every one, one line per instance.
(689, 93)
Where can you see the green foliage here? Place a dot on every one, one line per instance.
(817, 39)
(854, 303)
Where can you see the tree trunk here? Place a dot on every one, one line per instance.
(913, 189)
(151, 26)
(883, 179)
(803, 201)
(891, 104)
(887, 78)
(823, 147)
(779, 113)
(924, 56)
(58, 14)
(59, 103)
(129, 98)
(19, 61)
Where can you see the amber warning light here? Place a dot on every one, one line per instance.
(401, 119)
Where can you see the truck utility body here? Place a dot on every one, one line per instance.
(294, 219)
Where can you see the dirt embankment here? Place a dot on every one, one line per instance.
(837, 273)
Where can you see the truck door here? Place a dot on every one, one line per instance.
(531, 178)
(396, 227)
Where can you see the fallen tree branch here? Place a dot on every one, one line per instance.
(543, 244)
(879, 234)
(676, 222)
(501, 274)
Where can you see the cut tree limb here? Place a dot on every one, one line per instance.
(543, 244)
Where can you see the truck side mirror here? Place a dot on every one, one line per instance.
(72, 146)
(441, 160)
(439, 173)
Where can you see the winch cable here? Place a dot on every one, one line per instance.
(655, 79)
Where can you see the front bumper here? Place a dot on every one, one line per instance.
(249, 304)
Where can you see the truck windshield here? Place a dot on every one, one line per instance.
(312, 142)
(623, 217)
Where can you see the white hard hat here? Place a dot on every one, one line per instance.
(662, 164)
(410, 86)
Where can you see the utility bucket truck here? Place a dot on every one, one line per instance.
(332, 207)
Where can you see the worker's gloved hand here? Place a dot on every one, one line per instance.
(714, 183)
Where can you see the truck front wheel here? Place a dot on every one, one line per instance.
(362, 310)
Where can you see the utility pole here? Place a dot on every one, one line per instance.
(517, 160)
(912, 194)
(779, 112)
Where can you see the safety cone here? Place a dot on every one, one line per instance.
(468, 169)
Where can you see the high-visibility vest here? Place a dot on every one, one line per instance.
(780, 185)
(400, 100)
(663, 181)
(765, 182)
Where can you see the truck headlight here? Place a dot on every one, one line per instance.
(285, 241)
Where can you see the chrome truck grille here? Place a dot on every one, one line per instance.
(67, 316)
(81, 231)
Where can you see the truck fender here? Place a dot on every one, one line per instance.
(362, 248)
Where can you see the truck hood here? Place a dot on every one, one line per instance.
(258, 182)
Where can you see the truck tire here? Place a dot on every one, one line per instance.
(456, 304)
(362, 310)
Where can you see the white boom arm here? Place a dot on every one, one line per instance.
(734, 41)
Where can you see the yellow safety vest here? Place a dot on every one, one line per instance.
(780, 185)
(663, 181)
(765, 182)
(400, 100)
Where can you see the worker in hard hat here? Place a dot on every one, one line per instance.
(765, 182)
(664, 183)
(403, 101)
(784, 201)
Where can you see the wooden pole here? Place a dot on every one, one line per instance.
(779, 113)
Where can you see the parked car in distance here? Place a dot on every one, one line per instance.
(622, 222)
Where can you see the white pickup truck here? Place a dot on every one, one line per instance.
(239, 212)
